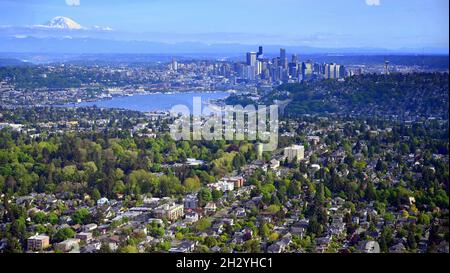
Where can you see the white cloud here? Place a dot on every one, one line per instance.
(73, 2)
(373, 2)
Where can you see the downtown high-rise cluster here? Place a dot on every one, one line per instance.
(283, 69)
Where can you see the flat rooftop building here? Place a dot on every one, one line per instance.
(38, 242)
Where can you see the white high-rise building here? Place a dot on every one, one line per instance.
(259, 66)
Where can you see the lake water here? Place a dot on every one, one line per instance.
(154, 102)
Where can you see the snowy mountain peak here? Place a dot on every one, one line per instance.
(63, 23)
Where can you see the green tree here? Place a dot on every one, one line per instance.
(252, 246)
(210, 241)
(128, 249)
(64, 234)
(52, 218)
(192, 184)
(13, 245)
(39, 217)
(105, 248)
(264, 230)
(96, 194)
(216, 194)
(203, 224)
(204, 196)
(81, 216)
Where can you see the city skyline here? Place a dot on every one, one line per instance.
(334, 24)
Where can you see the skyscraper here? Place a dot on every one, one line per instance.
(275, 62)
(260, 53)
(334, 71)
(342, 72)
(307, 70)
(283, 59)
(282, 53)
(251, 58)
(293, 67)
(250, 72)
(330, 71)
(339, 72)
(259, 66)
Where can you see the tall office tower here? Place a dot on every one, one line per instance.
(264, 65)
(251, 58)
(282, 53)
(275, 61)
(285, 63)
(342, 72)
(237, 67)
(250, 72)
(293, 69)
(284, 75)
(277, 73)
(337, 70)
(281, 73)
(307, 70)
(330, 72)
(260, 54)
(326, 71)
(319, 69)
(294, 58)
(283, 59)
(241, 70)
(259, 66)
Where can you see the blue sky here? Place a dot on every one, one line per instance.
(317, 23)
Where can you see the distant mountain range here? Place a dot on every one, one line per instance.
(69, 44)
(64, 35)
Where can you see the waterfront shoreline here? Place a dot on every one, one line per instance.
(162, 103)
